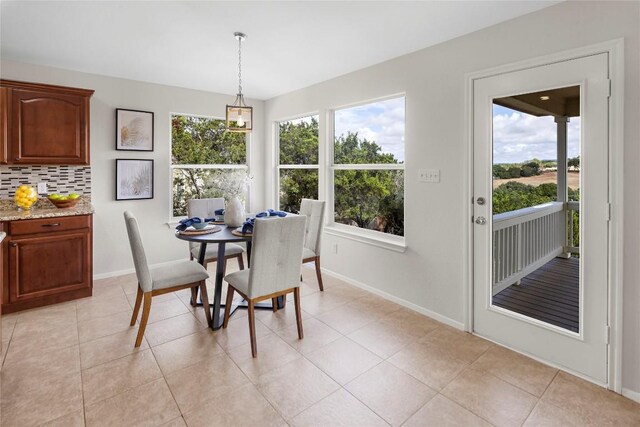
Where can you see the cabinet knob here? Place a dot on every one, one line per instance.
(14, 244)
(17, 158)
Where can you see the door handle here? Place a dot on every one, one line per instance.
(481, 220)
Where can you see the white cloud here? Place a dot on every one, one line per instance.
(518, 137)
(382, 122)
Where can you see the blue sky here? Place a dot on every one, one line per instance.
(380, 121)
(518, 136)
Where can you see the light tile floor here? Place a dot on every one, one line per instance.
(364, 361)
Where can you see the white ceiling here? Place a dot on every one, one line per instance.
(290, 45)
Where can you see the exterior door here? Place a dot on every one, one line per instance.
(533, 238)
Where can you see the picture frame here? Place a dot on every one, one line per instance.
(134, 179)
(134, 130)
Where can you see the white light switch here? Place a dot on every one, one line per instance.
(428, 175)
(42, 188)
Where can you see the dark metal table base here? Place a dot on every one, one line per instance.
(243, 304)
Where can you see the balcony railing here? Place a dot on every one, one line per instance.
(573, 241)
(526, 239)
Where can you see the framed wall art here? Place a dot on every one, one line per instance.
(134, 130)
(134, 179)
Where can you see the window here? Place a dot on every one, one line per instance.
(202, 153)
(368, 166)
(297, 162)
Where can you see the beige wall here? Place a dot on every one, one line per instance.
(431, 272)
(111, 250)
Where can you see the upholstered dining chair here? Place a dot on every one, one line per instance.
(160, 280)
(314, 211)
(276, 260)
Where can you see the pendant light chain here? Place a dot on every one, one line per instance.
(239, 116)
(240, 65)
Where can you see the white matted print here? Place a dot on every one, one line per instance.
(134, 179)
(134, 130)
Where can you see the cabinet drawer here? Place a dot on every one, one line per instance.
(49, 225)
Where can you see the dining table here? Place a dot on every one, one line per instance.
(221, 238)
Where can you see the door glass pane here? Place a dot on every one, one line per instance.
(536, 180)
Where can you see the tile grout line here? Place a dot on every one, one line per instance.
(356, 397)
(84, 412)
(164, 378)
(249, 379)
(499, 379)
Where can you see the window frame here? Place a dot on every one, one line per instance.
(364, 235)
(279, 167)
(245, 166)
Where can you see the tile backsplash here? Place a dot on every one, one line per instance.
(59, 179)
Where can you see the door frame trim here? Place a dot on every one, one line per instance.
(615, 262)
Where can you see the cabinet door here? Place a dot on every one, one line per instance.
(40, 266)
(48, 128)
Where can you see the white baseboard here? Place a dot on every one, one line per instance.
(630, 394)
(393, 298)
(130, 270)
(113, 274)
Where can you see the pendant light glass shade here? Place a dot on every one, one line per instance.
(239, 115)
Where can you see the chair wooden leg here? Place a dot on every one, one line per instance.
(205, 301)
(274, 303)
(146, 308)
(227, 307)
(194, 296)
(240, 262)
(252, 329)
(136, 307)
(319, 274)
(296, 297)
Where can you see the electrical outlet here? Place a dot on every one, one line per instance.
(42, 188)
(428, 175)
(334, 248)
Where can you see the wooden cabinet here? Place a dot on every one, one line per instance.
(48, 261)
(44, 124)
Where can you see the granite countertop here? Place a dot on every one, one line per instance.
(43, 209)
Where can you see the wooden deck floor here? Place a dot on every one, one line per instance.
(551, 294)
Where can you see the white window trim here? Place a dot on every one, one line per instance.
(174, 220)
(371, 237)
(362, 235)
(279, 167)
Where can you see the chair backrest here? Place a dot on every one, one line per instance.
(314, 210)
(276, 257)
(204, 208)
(137, 250)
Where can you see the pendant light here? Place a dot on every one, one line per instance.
(239, 115)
